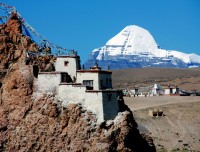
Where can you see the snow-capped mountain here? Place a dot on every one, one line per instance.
(136, 47)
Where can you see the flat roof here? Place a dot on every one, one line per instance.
(171, 87)
(76, 84)
(107, 91)
(53, 72)
(94, 71)
(68, 56)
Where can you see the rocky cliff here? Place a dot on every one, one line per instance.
(28, 123)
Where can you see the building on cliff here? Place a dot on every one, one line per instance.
(92, 88)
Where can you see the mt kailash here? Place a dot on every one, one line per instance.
(135, 47)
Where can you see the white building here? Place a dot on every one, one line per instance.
(171, 90)
(71, 84)
(152, 90)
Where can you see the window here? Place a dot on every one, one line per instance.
(66, 63)
(35, 70)
(88, 84)
(170, 90)
(65, 78)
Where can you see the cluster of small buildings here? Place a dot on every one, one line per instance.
(92, 88)
(152, 90)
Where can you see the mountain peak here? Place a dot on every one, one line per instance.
(133, 27)
(132, 39)
(136, 46)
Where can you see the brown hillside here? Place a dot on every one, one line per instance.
(188, 79)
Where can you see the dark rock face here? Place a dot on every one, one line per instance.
(30, 123)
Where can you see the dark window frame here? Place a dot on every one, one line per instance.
(89, 84)
(65, 78)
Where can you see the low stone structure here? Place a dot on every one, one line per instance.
(92, 88)
(156, 113)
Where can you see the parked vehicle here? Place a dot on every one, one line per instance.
(184, 93)
(197, 93)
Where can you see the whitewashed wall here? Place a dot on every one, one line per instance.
(70, 68)
(96, 77)
(71, 94)
(167, 91)
(48, 83)
(88, 76)
(174, 90)
(94, 103)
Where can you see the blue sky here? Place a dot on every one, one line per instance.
(87, 24)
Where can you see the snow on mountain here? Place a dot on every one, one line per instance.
(187, 58)
(135, 45)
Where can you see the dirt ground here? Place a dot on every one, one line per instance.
(178, 129)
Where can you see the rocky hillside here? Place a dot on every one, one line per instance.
(28, 123)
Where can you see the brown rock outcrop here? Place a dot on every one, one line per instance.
(43, 126)
(28, 123)
(15, 46)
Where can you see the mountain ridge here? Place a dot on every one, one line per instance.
(134, 46)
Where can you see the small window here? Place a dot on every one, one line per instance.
(65, 78)
(88, 84)
(35, 70)
(66, 63)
